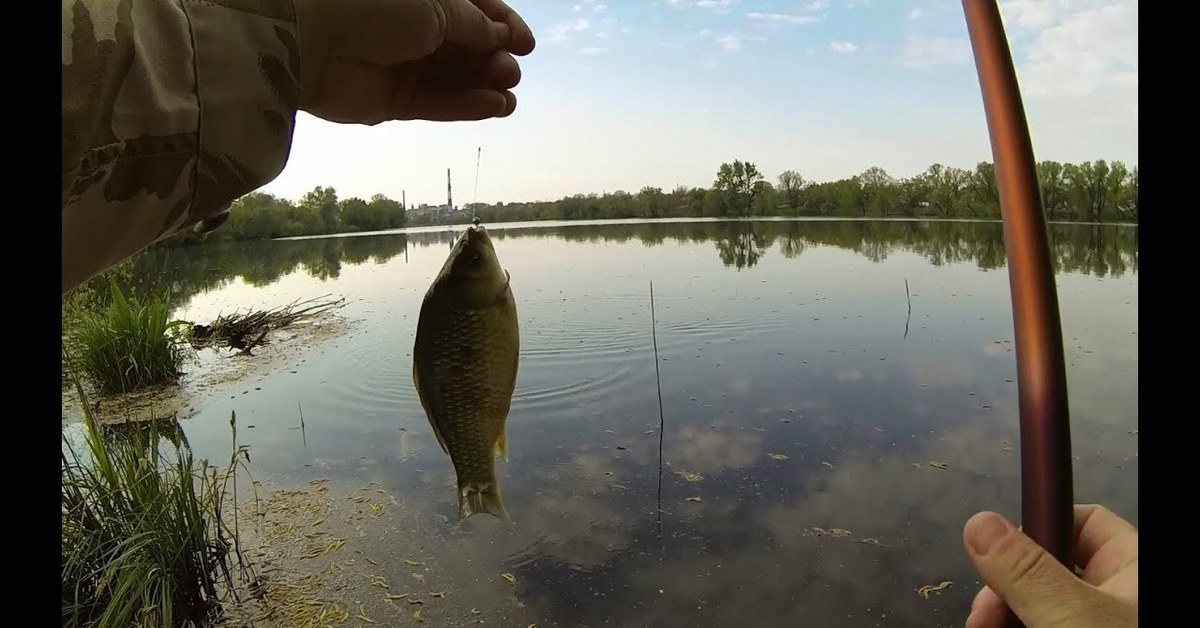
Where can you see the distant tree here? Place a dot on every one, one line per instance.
(736, 184)
(323, 201)
(790, 184)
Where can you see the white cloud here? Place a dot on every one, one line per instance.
(730, 42)
(1079, 67)
(843, 47)
(718, 6)
(599, 7)
(578, 7)
(817, 5)
(932, 52)
(593, 50)
(916, 13)
(602, 35)
(783, 18)
(563, 30)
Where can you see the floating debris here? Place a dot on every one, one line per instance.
(778, 456)
(362, 615)
(245, 331)
(689, 477)
(395, 596)
(417, 616)
(412, 563)
(509, 577)
(379, 582)
(438, 594)
(938, 465)
(1005, 446)
(693, 499)
(827, 464)
(927, 589)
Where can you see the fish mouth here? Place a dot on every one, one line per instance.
(475, 236)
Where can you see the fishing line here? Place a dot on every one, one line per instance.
(475, 194)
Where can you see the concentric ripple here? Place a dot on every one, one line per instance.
(569, 358)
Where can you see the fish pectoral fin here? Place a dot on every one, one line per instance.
(500, 448)
(428, 410)
(505, 291)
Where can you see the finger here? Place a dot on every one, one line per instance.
(470, 27)
(987, 610)
(455, 67)
(441, 104)
(521, 41)
(1104, 542)
(1038, 588)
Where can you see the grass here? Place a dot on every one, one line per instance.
(127, 344)
(144, 537)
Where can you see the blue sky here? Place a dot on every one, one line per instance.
(620, 94)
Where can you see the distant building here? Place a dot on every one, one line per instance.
(425, 210)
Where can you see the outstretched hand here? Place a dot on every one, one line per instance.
(370, 61)
(1040, 590)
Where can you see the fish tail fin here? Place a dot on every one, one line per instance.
(476, 497)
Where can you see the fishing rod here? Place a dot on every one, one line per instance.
(1047, 499)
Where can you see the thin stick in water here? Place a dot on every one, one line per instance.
(661, 420)
(303, 436)
(908, 296)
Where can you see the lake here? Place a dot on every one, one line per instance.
(810, 373)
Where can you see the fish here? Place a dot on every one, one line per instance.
(465, 359)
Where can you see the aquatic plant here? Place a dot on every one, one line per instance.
(128, 344)
(144, 537)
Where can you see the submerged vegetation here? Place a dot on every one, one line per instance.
(126, 344)
(1093, 191)
(144, 538)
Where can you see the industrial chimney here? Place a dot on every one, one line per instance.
(449, 198)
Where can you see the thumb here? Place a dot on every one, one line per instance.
(1038, 588)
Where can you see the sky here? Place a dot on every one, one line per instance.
(622, 94)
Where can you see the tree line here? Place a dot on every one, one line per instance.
(1093, 191)
(1099, 249)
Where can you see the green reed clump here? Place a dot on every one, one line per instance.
(127, 344)
(144, 540)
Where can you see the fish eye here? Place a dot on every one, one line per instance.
(474, 260)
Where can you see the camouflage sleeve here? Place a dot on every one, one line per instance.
(171, 110)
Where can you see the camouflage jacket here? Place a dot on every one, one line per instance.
(171, 110)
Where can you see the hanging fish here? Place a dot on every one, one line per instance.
(465, 366)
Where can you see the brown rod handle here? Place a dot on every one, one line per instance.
(1047, 500)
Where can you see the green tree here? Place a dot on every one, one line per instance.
(790, 184)
(323, 201)
(736, 183)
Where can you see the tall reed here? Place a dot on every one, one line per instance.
(128, 344)
(144, 540)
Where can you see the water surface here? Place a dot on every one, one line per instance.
(805, 389)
